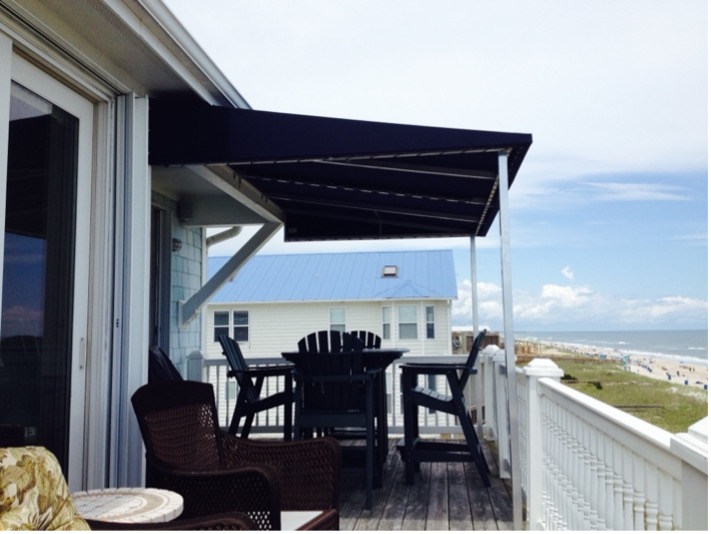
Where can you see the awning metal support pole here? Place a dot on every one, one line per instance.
(478, 379)
(509, 341)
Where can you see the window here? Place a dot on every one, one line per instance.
(338, 319)
(239, 325)
(407, 322)
(430, 321)
(222, 324)
(386, 322)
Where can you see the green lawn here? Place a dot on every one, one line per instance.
(669, 406)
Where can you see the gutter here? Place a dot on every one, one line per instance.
(163, 17)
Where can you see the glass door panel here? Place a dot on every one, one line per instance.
(38, 334)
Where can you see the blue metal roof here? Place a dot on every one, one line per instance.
(422, 274)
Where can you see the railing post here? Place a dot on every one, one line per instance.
(502, 418)
(193, 366)
(692, 448)
(487, 410)
(533, 485)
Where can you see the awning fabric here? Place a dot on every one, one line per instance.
(346, 179)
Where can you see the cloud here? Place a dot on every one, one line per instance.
(623, 191)
(569, 307)
(568, 273)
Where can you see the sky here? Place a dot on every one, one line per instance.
(609, 211)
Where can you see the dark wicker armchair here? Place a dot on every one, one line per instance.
(226, 521)
(216, 472)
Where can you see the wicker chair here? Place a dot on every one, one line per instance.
(216, 472)
(225, 521)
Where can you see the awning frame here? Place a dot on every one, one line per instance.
(404, 178)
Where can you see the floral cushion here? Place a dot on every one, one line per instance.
(33, 492)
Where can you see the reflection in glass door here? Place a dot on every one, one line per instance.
(36, 328)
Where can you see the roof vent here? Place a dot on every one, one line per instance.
(389, 271)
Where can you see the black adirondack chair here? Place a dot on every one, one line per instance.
(160, 368)
(330, 341)
(413, 450)
(250, 381)
(335, 390)
(369, 339)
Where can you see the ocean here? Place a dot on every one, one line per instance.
(687, 345)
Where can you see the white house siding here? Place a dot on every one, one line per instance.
(277, 327)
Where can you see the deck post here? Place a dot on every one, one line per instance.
(692, 448)
(533, 485)
(507, 297)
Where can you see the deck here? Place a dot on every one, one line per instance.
(445, 496)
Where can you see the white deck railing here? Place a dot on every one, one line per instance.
(588, 466)
(271, 421)
(585, 465)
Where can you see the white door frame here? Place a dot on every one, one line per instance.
(31, 77)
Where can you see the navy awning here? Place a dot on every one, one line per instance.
(346, 179)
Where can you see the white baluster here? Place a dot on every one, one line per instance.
(587, 476)
(627, 495)
(651, 490)
(569, 515)
(584, 476)
(601, 498)
(640, 475)
(666, 500)
(594, 507)
(619, 522)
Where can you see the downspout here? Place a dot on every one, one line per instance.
(509, 342)
(223, 236)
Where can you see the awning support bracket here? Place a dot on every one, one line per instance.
(188, 310)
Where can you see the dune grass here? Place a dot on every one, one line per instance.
(668, 406)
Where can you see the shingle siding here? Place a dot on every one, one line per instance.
(185, 280)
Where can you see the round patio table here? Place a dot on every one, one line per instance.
(128, 505)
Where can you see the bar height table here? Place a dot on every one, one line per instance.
(374, 359)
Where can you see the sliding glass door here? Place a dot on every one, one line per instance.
(43, 326)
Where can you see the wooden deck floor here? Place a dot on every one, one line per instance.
(445, 496)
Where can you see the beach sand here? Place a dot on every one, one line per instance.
(668, 369)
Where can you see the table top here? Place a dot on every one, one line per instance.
(128, 505)
(379, 358)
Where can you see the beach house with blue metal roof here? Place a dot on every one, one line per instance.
(275, 300)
